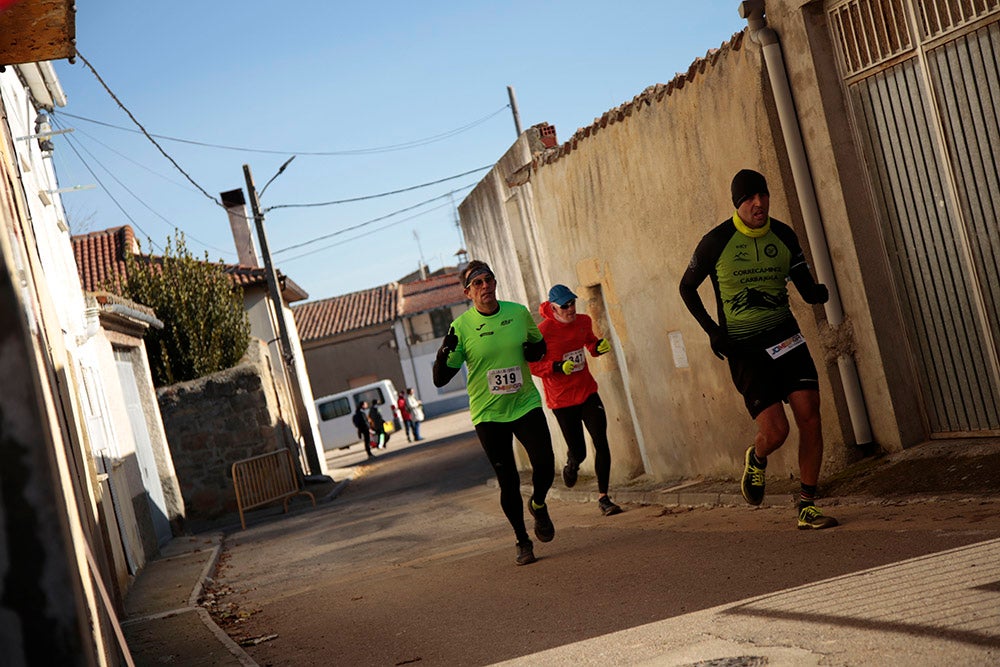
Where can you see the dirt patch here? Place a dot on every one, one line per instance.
(944, 473)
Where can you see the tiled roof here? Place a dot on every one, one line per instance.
(100, 256)
(436, 292)
(100, 261)
(358, 310)
(652, 94)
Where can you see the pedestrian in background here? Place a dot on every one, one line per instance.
(416, 407)
(378, 426)
(360, 420)
(404, 414)
(496, 340)
(571, 390)
(750, 258)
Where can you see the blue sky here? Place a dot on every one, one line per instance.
(407, 93)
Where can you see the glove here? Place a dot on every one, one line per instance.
(565, 367)
(449, 343)
(720, 343)
(603, 346)
(817, 294)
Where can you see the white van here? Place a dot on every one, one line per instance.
(336, 412)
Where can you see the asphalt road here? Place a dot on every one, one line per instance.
(414, 563)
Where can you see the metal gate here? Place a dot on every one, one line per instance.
(923, 78)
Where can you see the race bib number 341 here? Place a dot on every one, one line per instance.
(505, 380)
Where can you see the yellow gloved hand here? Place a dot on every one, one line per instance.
(603, 346)
(565, 367)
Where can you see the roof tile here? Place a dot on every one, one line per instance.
(328, 317)
(100, 261)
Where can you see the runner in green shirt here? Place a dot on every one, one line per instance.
(496, 340)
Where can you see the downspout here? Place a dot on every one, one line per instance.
(753, 12)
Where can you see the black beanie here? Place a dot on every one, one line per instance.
(747, 183)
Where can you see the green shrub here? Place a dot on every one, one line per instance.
(205, 327)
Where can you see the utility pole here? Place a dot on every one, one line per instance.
(513, 109)
(288, 357)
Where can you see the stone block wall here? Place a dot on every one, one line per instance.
(217, 420)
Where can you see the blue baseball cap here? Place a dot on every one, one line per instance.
(560, 295)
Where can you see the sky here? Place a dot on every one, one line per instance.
(370, 99)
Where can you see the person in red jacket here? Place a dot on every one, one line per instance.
(570, 389)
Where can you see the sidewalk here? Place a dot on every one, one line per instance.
(164, 623)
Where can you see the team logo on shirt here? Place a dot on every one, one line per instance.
(481, 326)
(771, 250)
(505, 322)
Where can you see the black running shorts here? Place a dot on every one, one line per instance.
(764, 381)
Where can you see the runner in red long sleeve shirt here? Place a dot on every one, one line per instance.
(570, 389)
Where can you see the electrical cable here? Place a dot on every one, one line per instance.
(359, 236)
(144, 131)
(110, 196)
(382, 194)
(372, 221)
(74, 140)
(416, 143)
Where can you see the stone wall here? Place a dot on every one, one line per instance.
(217, 420)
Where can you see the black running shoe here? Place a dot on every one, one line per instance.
(570, 471)
(811, 518)
(608, 508)
(752, 484)
(525, 553)
(544, 530)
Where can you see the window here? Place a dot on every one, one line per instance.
(338, 407)
(440, 321)
(374, 396)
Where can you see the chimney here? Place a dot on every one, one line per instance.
(239, 220)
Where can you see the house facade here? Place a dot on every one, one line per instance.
(426, 310)
(78, 516)
(386, 332)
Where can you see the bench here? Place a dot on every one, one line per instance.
(263, 479)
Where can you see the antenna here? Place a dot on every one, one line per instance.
(423, 267)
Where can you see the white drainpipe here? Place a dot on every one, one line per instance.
(753, 12)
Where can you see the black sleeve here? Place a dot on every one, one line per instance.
(443, 373)
(702, 265)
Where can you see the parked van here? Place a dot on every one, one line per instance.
(336, 428)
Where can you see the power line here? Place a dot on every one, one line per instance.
(359, 236)
(416, 143)
(372, 221)
(144, 131)
(58, 122)
(381, 194)
(111, 196)
(73, 140)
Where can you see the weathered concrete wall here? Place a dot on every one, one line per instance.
(217, 420)
(615, 213)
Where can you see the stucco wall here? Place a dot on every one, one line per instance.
(616, 212)
(333, 363)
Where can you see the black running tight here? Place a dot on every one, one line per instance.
(591, 414)
(497, 440)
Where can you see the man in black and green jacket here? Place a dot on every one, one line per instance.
(750, 258)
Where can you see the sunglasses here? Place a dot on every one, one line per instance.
(482, 280)
(569, 304)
